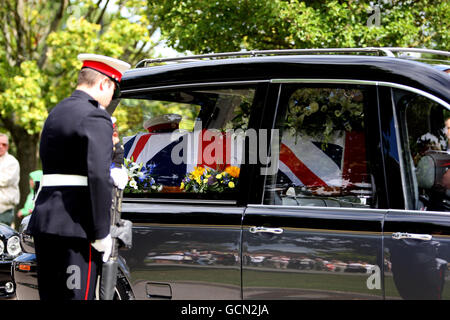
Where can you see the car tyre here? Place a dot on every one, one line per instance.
(123, 290)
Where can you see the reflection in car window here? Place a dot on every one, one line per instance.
(181, 141)
(322, 158)
(425, 135)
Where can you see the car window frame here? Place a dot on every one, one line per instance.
(376, 84)
(310, 81)
(407, 175)
(259, 100)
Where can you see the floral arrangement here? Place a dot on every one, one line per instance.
(321, 111)
(139, 178)
(202, 180)
(241, 112)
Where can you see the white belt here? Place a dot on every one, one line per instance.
(57, 180)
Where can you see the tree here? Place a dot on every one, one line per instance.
(232, 25)
(39, 44)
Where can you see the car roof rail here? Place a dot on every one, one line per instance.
(386, 51)
(419, 50)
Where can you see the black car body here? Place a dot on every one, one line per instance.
(356, 207)
(9, 249)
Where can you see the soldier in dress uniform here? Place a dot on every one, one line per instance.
(71, 219)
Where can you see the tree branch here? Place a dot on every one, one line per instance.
(8, 12)
(8, 123)
(138, 53)
(18, 12)
(100, 17)
(91, 10)
(53, 26)
(7, 38)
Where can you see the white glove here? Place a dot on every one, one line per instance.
(120, 177)
(104, 245)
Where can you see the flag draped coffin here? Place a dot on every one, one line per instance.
(337, 164)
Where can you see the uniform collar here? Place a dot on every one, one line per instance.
(83, 95)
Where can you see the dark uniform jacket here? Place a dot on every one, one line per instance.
(76, 140)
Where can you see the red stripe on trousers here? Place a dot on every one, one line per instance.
(89, 273)
(299, 168)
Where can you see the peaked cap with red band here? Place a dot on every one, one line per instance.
(165, 122)
(110, 67)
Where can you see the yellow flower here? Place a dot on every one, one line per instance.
(182, 186)
(231, 184)
(198, 171)
(233, 171)
(219, 176)
(205, 181)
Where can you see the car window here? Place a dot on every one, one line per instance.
(322, 149)
(182, 142)
(425, 131)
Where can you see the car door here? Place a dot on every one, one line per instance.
(186, 236)
(315, 232)
(417, 229)
(188, 250)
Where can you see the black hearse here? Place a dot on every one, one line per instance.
(290, 174)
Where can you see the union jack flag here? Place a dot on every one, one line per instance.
(155, 150)
(335, 165)
(340, 163)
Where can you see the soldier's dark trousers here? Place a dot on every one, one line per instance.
(67, 267)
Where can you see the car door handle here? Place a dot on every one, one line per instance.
(404, 235)
(267, 230)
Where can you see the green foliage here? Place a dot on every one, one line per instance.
(232, 25)
(23, 97)
(40, 41)
(132, 113)
(80, 36)
(39, 44)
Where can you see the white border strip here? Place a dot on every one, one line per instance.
(366, 82)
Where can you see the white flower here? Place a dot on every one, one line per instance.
(133, 184)
(135, 166)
